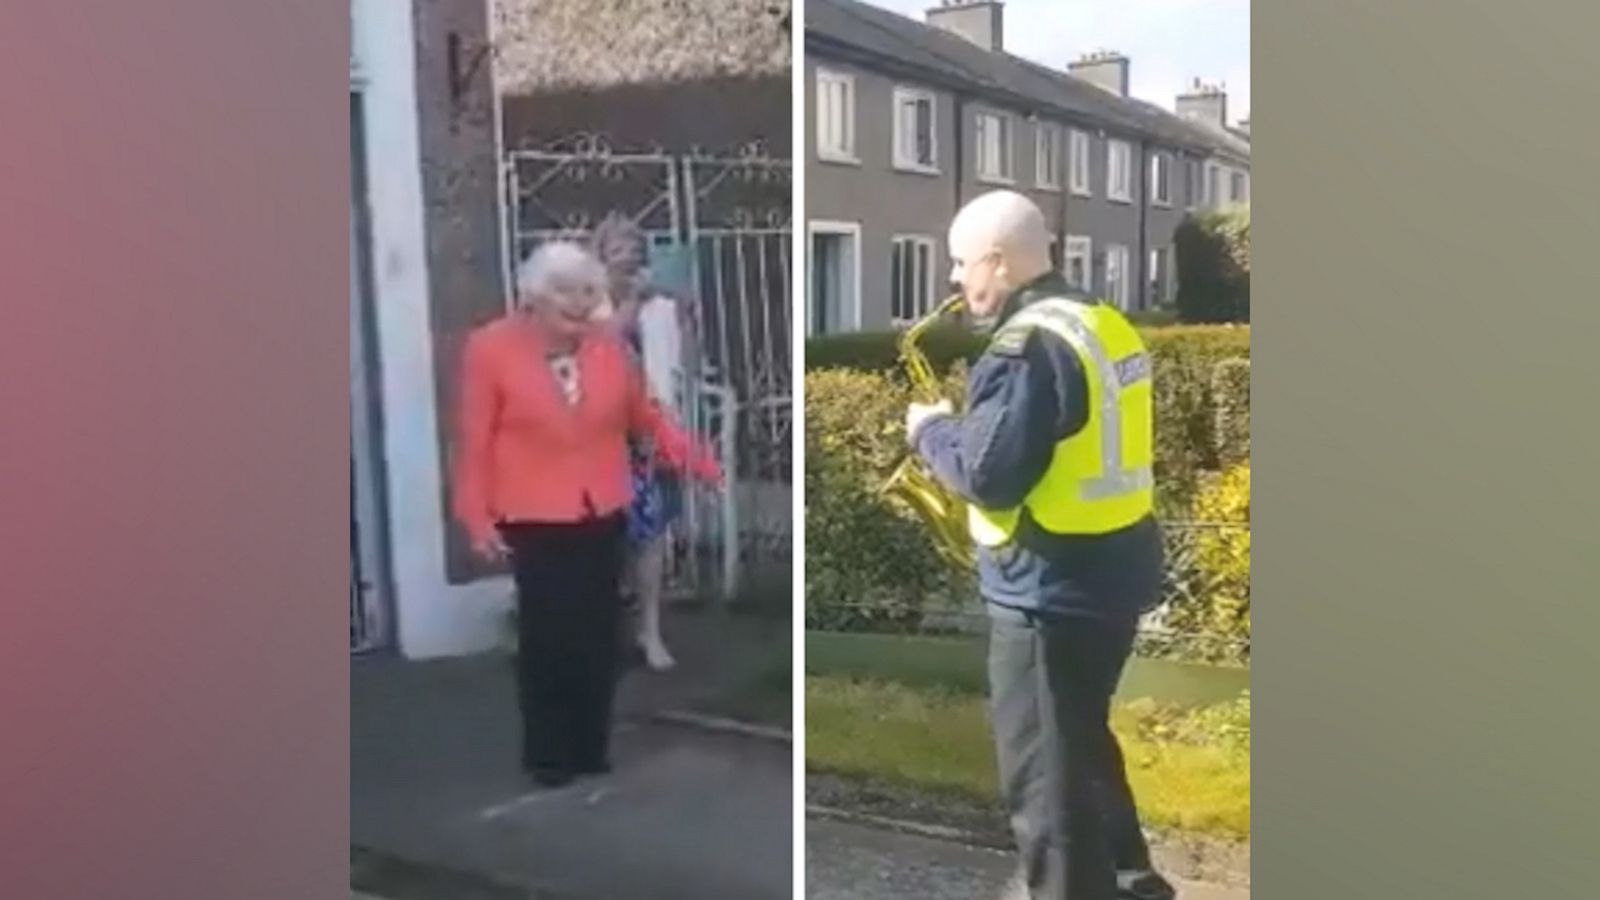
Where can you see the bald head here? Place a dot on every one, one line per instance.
(998, 243)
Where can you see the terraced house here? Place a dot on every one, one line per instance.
(907, 120)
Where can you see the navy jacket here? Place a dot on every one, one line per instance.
(1022, 400)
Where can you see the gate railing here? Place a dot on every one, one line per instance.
(731, 215)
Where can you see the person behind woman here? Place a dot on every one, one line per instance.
(650, 322)
(549, 401)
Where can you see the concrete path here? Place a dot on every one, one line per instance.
(850, 862)
(436, 789)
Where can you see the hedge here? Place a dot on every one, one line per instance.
(869, 566)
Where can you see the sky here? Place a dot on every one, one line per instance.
(1170, 42)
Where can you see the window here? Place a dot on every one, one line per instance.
(1161, 276)
(833, 294)
(914, 130)
(1117, 276)
(1191, 183)
(1241, 188)
(1213, 191)
(911, 279)
(836, 116)
(994, 147)
(1080, 164)
(1047, 156)
(1119, 171)
(1078, 269)
(1161, 179)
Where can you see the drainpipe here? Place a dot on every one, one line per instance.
(1061, 201)
(958, 158)
(1144, 210)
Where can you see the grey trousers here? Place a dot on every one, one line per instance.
(1061, 770)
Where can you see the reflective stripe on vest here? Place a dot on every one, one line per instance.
(1099, 479)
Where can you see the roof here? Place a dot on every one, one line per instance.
(561, 44)
(880, 39)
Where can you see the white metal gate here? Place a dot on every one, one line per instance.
(727, 218)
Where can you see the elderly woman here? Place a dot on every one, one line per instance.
(549, 401)
(651, 323)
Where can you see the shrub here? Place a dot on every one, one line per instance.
(1191, 439)
(864, 552)
(868, 565)
(1213, 251)
(1189, 442)
(1216, 603)
(1230, 397)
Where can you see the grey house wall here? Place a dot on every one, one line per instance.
(886, 202)
(460, 173)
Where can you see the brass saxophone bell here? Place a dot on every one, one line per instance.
(910, 484)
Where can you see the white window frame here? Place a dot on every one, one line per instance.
(1007, 176)
(1194, 178)
(1210, 184)
(1079, 178)
(851, 231)
(1161, 187)
(845, 151)
(1117, 292)
(903, 161)
(1079, 245)
(925, 303)
(1243, 178)
(1124, 192)
(1048, 144)
(1162, 287)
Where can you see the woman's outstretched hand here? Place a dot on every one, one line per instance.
(706, 468)
(491, 547)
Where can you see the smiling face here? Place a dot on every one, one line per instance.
(562, 288)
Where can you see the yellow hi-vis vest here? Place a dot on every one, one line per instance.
(1100, 479)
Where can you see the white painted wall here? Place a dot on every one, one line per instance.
(433, 619)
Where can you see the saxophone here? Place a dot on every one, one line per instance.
(911, 485)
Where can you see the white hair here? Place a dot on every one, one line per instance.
(553, 271)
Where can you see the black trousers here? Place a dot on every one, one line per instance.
(568, 660)
(1061, 769)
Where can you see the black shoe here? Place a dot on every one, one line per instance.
(1145, 884)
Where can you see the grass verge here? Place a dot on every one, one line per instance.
(1190, 770)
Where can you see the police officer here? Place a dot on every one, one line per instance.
(1053, 454)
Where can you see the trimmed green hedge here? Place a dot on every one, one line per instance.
(871, 567)
(868, 568)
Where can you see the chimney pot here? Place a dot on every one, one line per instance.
(1105, 69)
(982, 22)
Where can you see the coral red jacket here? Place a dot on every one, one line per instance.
(524, 454)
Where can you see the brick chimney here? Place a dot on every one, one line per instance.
(1207, 103)
(1104, 69)
(979, 21)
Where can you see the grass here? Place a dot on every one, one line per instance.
(938, 741)
(956, 664)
